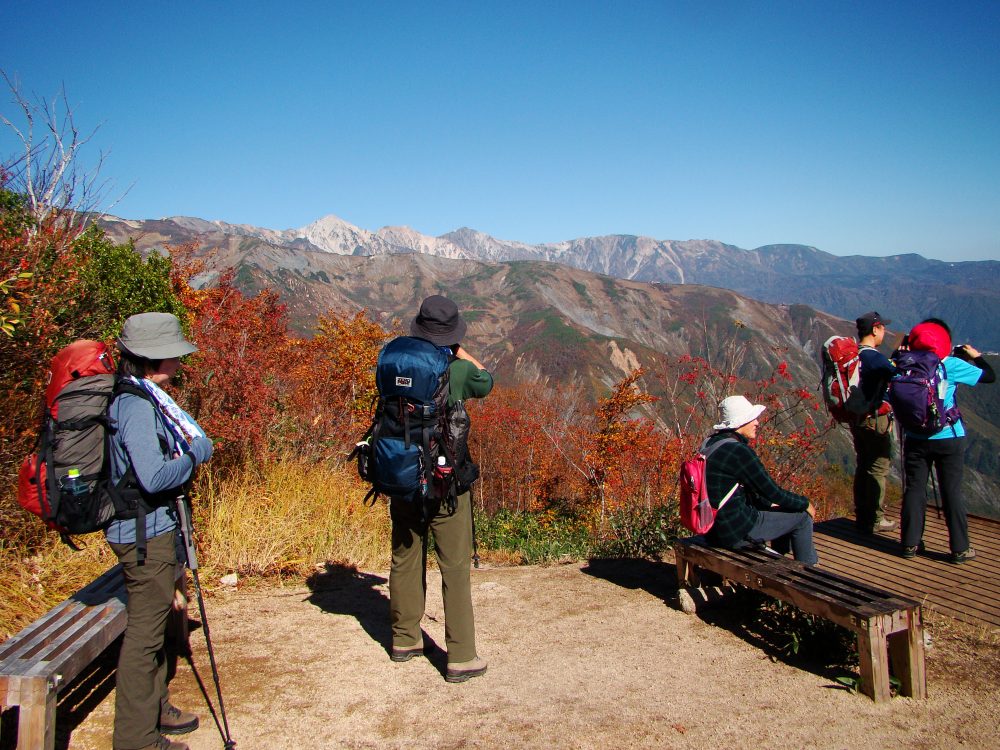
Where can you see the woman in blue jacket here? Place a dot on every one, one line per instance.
(154, 451)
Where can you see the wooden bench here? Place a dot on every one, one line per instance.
(41, 660)
(888, 626)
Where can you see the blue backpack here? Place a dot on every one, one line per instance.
(917, 393)
(405, 453)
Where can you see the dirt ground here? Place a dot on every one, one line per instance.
(581, 656)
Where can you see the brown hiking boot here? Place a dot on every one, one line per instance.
(407, 653)
(464, 670)
(162, 743)
(175, 721)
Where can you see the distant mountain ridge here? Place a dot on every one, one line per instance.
(905, 288)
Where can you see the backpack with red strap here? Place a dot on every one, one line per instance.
(841, 383)
(66, 480)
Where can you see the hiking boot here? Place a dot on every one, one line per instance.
(461, 671)
(910, 552)
(405, 654)
(884, 525)
(175, 721)
(162, 743)
(960, 558)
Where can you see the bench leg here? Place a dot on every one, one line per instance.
(906, 650)
(36, 729)
(873, 655)
(687, 581)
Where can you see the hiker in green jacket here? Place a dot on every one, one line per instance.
(440, 323)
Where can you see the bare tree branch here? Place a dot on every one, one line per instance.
(48, 170)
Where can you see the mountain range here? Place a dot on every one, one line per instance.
(536, 313)
(904, 288)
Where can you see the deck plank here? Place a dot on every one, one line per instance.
(970, 592)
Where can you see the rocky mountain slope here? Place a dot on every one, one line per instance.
(906, 288)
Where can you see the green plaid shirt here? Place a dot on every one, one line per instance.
(737, 462)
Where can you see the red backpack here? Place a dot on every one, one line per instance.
(65, 480)
(845, 400)
(697, 513)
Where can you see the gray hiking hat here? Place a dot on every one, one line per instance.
(154, 335)
(439, 322)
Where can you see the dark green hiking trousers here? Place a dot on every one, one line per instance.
(141, 684)
(408, 575)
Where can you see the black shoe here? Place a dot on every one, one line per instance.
(911, 552)
(960, 558)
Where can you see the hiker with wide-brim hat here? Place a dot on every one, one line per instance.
(153, 454)
(439, 322)
(758, 511)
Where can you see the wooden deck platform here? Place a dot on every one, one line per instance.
(969, 592)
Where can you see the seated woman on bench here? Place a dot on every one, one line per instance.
(757, 510)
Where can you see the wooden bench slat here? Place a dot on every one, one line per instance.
(887, 625)
(109, 586)
(89, 623)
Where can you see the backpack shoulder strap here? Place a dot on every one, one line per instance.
(123, 385)
(128, 485)
(707, 450)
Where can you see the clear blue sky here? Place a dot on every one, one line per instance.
(869, 127)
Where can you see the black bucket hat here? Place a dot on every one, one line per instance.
(439, 322)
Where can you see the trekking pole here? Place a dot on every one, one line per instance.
(184, 517)
(937, 500)
(901, 436)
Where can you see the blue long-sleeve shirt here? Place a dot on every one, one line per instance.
(144, 442)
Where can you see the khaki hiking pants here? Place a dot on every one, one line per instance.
(408, 575)
(873, 451)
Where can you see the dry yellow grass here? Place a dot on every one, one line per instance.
(280, 519)
(31, 583)
(287, 517)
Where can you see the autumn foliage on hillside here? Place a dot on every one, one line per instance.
(266, 395)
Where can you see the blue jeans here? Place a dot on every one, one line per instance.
(784, 528)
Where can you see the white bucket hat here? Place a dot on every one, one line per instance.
(154, 335)
(736, 411)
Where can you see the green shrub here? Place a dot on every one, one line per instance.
(640, 533)
(535, 538)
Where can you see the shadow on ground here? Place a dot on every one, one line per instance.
(658, 579)
(782, 632)
(344, 590)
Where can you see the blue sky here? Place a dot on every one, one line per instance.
(870, 127)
